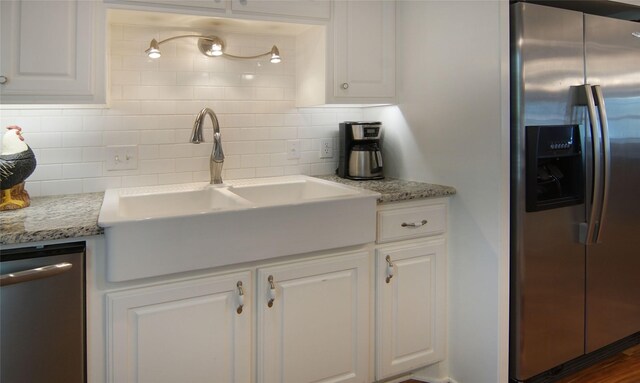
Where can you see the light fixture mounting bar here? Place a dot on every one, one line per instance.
(210, 46)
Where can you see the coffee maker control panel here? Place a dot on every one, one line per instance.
(366, 131)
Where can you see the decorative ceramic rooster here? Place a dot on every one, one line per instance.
(17, 162)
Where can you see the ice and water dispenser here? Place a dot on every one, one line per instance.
(554, 167)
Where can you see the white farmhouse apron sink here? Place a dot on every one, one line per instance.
(160, 230)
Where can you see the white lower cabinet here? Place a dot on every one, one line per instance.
(305, 319)
(411, 279)
(410, 314)
(191, 331)
(316, 328)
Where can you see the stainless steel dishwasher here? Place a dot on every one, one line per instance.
(42, 314)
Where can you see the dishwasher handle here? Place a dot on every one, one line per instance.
(33, 274)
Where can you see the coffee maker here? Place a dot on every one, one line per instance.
(360, 156)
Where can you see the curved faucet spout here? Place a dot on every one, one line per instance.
(217, 156)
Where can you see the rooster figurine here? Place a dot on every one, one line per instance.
(17, 162)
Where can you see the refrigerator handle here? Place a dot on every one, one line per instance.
(606, 150)
(588, 231)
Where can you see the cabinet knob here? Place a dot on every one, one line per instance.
(272, 291)
(345, 85)
(240, 297)
(3, 80)
(389, 269)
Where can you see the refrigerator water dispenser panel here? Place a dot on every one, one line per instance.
(554, 167)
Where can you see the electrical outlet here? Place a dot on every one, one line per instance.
(124, 157)
(293, 149)
(326, 148)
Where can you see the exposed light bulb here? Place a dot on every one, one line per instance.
(636, 34)
(154, 50)
(275, 55)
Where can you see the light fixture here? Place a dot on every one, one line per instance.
(210, 46)
(636, 34)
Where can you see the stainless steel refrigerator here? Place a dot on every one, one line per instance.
(575, 185)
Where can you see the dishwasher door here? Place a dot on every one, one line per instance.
(42, 314)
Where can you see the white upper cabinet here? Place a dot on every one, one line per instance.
(364, 48)
(313, 9)
(52, 52)
(353, 60)
(214, 6)
(297, 10)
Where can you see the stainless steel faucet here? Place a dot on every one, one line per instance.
(217, 156)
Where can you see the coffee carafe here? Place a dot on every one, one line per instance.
(360, 155)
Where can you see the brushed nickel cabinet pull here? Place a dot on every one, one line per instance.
(344, 86)
(272, 291)
(414, 224)
(240, 297)
(389, 269)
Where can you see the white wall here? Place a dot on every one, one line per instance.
(154, 103)
(451, 127)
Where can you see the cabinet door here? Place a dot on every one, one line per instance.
(214, 5)
(181, 332)
(410, 306)
(315, 9)
(317, 328)
(364, 49)
(52, 52)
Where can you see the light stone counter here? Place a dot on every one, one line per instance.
(76, 215)
(394, 190)
(53, 217)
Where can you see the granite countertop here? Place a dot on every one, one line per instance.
(53, 217)
(76, 215)
(394, 190)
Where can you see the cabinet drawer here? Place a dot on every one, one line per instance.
(411, 222)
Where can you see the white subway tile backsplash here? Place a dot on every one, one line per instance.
(239, 93)
(153, 104)
(254, 160)
(195, 164)
(192, 78)
(58, 156)
(46, 172)
(121, 138)
(175, 178)
(240, 173)
(93, 154)
(208, 93)
(75, 139)
(60, 187)
(43, 140)
(157, 166)
(90, 185)
(140, 180)
(82, 170)
(269, 93)
(269, 172)
(122, 77)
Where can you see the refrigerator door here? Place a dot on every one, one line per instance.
(547, 259)
(612, 55)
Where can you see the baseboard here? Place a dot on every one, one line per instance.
(433, 380)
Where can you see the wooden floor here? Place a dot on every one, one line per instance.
(620, 368)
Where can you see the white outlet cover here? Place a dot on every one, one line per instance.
(122, 157)
(293, 149)
(326, 148)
